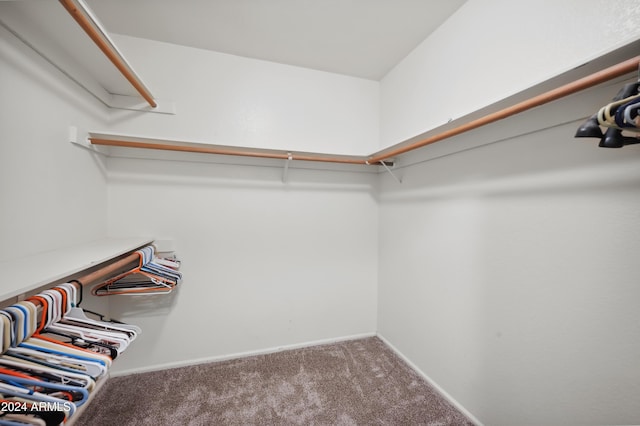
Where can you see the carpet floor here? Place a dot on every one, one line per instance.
(357, 382)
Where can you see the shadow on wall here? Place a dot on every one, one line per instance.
(38, 71)
(232, 176)
(547, 161)
(158, 305)
(529, 144)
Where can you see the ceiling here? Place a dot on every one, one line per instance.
(362, 38)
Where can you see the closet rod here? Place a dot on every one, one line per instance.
(594, 79)
(83, 16)
(202, 149)
(110, 269)
(105, 271)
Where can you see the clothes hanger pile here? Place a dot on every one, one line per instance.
(153, 275)
(52, 355)
(621, 115)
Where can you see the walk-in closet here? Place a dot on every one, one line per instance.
(354, 213)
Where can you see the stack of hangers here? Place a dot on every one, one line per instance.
(152, 275)
(52, 355)
(622, 114)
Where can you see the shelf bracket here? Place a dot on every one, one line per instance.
(390, 172)
(286, 167)
(82, 141)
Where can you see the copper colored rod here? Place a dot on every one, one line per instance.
(108, 50)
(226, 151)
(109, 269)
(104, 272)
(594, 79)
(329, 159)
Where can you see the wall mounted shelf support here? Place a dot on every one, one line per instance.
(82, 140)
(384, 164)
(286, 167)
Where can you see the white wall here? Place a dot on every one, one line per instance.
(503, 273)
(511, 283)
(230, 100)
(491, 49)
(308, 275)
(266, 264)
(52, 194)
(507, 273)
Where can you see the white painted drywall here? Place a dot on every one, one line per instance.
(508, 273)
(230, 100)
(491, 49)
(52, 194)
(266, 264)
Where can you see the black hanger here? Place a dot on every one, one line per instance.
(613, 137)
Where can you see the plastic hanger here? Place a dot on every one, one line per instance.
(80, 314)
(94, 345)
(77, 316)
(40, 340)
(605, 115)
(8, 331)
(50, 418)
(146, 278)
(107, 339)
(81, 379)
(12, 390)
(94, 371)
(56, 359)
(630, 113)
(22, 420)
(120, 341)
(18, 324)
(42, 384)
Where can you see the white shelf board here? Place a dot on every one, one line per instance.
(81, 138)
(26, 274)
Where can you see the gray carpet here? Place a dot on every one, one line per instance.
(358, 382)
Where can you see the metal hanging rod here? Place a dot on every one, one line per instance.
(618, 70)
(594, 79)
(110, 269)
(221, 150)
(107, 271)
(90, 24)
